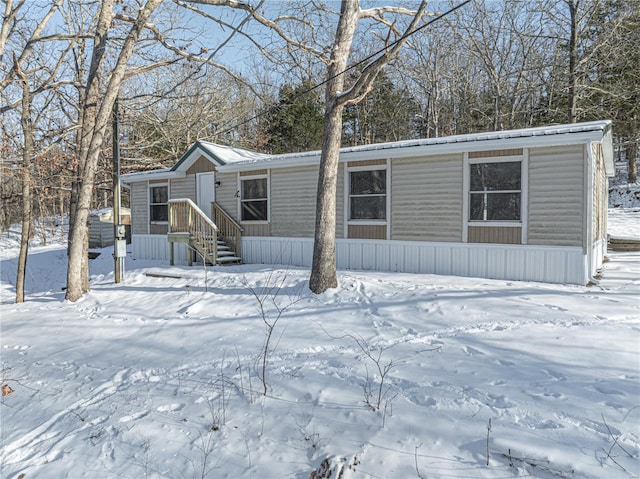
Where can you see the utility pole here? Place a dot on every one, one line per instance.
(119, 243)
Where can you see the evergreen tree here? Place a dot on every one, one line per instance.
(388, 113)
(295, 123)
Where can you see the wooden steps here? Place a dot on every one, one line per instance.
(624, 244)
(223, 255)
(189, 225)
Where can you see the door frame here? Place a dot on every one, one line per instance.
(200, 180)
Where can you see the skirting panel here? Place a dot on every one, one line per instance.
(564, 265)
(157, 247)
(548, 264)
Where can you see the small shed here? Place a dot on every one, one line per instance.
(101, 227)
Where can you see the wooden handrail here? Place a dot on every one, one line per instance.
(186, 217)
(229, 229)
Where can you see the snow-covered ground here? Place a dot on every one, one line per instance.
(164, 377)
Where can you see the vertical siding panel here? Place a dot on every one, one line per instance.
(256, 229)
(201, 165)
(495, 234)
(477, 262)
(526, 263)
(496, 263)
(514, 264)
(556, 196)
(461, 260)
(412, 259)
(396, 259)
(443, 260)
(367, 231)
(382, 257)
(368, 256)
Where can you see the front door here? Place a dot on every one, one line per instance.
(206, 191)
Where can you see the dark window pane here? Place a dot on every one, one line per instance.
(495, 176)
(254, 189)
(254, 210)
(159, 213)
(369, 208)
(159, 194)
(368, 182)
(476, 207)
(496, 207)
(503, 206)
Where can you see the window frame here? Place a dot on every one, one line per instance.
(241, 200)
(486, 194)
(373, 221)
(524, 182)
(150, 188)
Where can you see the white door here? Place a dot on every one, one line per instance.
(206, 191)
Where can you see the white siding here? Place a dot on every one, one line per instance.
(426, 199)
(157, 247)
(556, 196)
(564, 265)
(507, 262)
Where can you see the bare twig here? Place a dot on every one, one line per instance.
(415, 455)
(488, 433)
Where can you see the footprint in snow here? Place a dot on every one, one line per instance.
(133, 417)
(175, 407)
(604, 389)
(16, 348)
(555, 375)
(469, 351)
(555, 308)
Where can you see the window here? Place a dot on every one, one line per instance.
(495, 191)
(159, 210)
(368, 195)
(254, 199)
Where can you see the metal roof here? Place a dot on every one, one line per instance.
(229, 158)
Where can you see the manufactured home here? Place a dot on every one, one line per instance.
(527, 204)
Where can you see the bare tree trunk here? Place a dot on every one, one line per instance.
(27, 153)
(632, 159)
(323, 268)
(572, 100)
(93, 135)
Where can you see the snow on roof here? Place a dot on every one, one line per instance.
(232, 159)
(600, 127)
(161, 173)
(229, 154)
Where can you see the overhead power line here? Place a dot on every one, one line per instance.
(355, 65)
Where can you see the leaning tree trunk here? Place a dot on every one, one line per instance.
(93, 133)
(323, 269)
